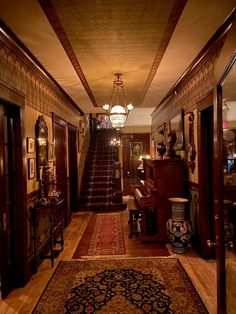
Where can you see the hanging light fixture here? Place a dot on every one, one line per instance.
(118, 110)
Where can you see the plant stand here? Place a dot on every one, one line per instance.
(178, 229)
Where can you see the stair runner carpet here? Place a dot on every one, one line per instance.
(97, 185)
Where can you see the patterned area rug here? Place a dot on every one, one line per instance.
(133, 285)
(103, 236)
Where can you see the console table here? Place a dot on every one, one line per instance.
(55, 232)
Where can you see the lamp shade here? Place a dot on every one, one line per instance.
(118, 109)
(118, 113)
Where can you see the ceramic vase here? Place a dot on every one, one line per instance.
(178, 229)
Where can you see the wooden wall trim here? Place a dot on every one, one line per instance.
(14, 44)
(204, 101)
(55, 22)
(220, 70)
(205, 127)
(71, 127)
(213, 44)
(8, 94)
(24, 221)
(59, 120)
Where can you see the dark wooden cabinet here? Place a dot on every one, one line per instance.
(46, 248)
(163, 179)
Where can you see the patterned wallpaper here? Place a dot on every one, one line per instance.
(39, 92)
(191, 90)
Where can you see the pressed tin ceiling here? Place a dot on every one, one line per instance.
(82, 43)
(106, 37)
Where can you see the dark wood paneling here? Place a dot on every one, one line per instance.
(13, 215)
(221, 69)
(59, 133)
(205, 170)
(73, 169)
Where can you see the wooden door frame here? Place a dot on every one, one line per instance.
(4, 288)
(126, 139)
(221, 69)
(73, 129)
(205, 250)
(61, 122)
(23, 271)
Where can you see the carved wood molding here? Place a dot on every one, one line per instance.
(50, 12)
(191, 146)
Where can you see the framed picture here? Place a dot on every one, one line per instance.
(177, 125)
(136, 150)
(30, 145)
(50, 151)
(31, 168)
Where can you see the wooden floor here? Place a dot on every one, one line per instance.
(201, 272)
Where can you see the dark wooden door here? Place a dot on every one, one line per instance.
(206, 202)
(225, 168)
(59, 131)
(225, 188)
(73, 169)
(13, 228)
(134, 146)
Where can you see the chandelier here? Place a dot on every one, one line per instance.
(118, 110)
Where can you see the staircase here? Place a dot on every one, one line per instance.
(99, 185)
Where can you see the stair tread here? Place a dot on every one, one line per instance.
(97, 186)
(101, 190)
(99, 196)
(98, 204)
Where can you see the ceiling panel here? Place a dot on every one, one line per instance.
(83, 43)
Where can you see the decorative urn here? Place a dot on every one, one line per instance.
(178, 229)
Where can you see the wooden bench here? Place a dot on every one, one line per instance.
(134, 218)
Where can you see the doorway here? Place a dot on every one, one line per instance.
(135, 146)
(226, 189)
(206, 201)
(59, 132)
(13, 222)
(73, 168)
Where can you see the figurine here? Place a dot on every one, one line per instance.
(170, 152)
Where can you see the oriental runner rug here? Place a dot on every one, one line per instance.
(103, 236)
(126, 285)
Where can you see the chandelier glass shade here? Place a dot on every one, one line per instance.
(118, 110)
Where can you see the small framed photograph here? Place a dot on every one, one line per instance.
(51, 151)
(31, 168)
(30, 145)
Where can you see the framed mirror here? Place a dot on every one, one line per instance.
(41, 132)
(227, 191)
(177, 125)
